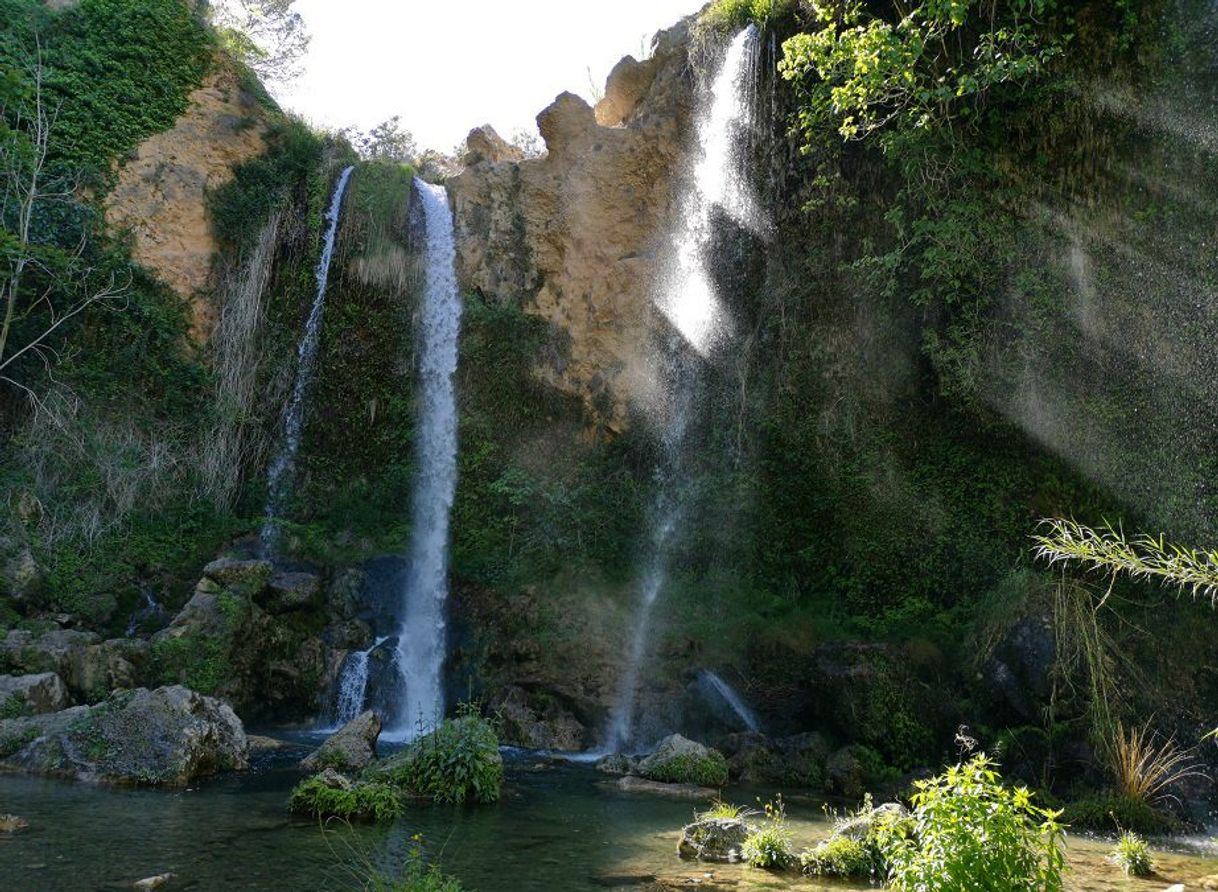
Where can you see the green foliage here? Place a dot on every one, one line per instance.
(844, 857)
(119, 71)
(417, 876)
(1132, 855)
(720, 810)
(686, 768)
(358, 802)
(731, 15)
(458, 762)
(14, 741)
(13, 707)
(970, 831)
(769, 845)
(1108, 813)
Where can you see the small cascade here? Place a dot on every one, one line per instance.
(687, 298)
(729, 696)
(279, 475)
(421, 640)
(352, 685)
(152, 612)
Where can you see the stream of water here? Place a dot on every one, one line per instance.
(279, 475)
(559, 828)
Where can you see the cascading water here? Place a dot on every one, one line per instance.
(687, 298)
(732, 699)
(352, 685)
(421, 641)
(280, 473)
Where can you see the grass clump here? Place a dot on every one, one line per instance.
(1132, 855)
(721, 811)
(705, 771)
(1113, 813)
(458, 762)
(360, 801)
(732, 15)
(840, 856)
(1144, 766)
(769, 845)
(968, 831)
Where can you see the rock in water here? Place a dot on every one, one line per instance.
(155, 882)
(632, 784)
(40, 693)
(12, 823)
(170, 736)
(351, 748)
(678, 759)
(713, 839)
(615, 763)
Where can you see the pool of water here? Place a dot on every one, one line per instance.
(560, 826)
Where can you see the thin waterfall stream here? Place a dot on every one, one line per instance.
(687, 297)
(279, 476)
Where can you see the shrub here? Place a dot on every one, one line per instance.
(731, 15)
(359, 802)
(458, 762)
(841, 856)
(1108, 814)
(720, 810)
(769, 845)
(705, 771)
(1132, 855)
(418, 876)
(1144, 766)
(968, 831)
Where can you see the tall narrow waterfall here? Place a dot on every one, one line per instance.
(421, 641)
(686, 296)
(279, 477)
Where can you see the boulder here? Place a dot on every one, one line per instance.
(537, 721)
(38, 694)
(12, 823)
(351, 748)
(860, 826)
(250, 576)
(20, 575)
(170, 736)
(632, 784)
(628, 82)
(615, 763)
(713, 839)
(153, 882)
(678, 759)
(292, 591)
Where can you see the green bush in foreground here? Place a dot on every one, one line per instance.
(705, 771)
(968, 831)
(360, 802)
(458, 762)
(1132, 855)
(418, 876)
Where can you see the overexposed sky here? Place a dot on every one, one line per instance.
(448, 66)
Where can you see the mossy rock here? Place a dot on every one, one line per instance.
(679, 760)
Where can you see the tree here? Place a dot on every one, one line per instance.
(267, 35)
(44, 285)
(387, 141)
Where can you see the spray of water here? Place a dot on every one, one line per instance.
(732, 699)
(687, 298)
(421, 641)
(284, 463)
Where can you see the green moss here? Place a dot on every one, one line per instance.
(15, 741)
(359, 802)
(13, 707)
(686, 768)
(1114, 814)
(842, 857)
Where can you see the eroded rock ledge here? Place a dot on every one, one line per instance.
(573, 236)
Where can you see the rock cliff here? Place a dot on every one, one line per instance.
(574, 236)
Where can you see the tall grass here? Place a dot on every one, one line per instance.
(1145, 765)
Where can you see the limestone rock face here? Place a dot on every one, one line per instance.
(538, 722)
(485, 144)
(161, 194)
(40, 694)
(170, 736)
(351, 748)
(89, 667)
(574, 236)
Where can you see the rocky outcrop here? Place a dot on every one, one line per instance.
(678, 759)
(537, 722)
(575, 236)
(713, 839)
(170, 736)
(794, 761)
(35, 694)
(351, 748)
(89, 667)
(161, 193)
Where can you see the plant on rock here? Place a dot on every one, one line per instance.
(458, 762)
(1132, 855)
(329, 795)
(769, 845)
(968, 831)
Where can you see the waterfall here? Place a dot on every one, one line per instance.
(352, 685)
(734, 701)
(421, 640)
(280, 473)
(687, 298)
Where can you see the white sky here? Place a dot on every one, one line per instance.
(448, 66)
